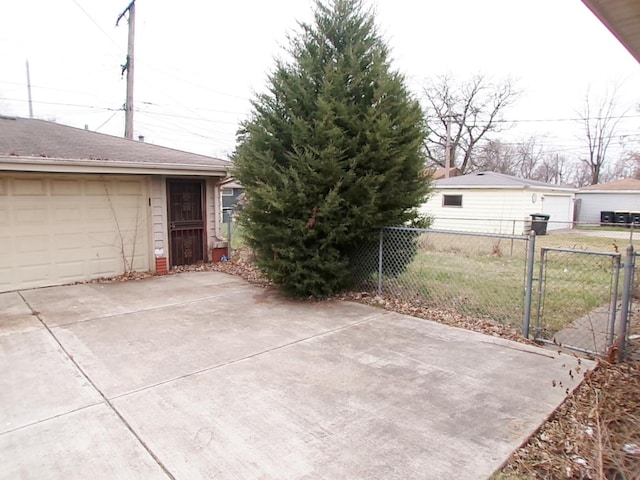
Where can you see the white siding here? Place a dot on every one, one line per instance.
(160, 231)
(58, 229)
(214, 212)
(505, 211)
(592, 203)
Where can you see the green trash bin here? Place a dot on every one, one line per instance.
(539, 223)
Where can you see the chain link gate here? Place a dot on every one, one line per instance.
(633, 328)
(578, 299)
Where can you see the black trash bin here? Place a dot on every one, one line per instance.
(622, 218)
(634, 219)
(539, 223)
(606, 218)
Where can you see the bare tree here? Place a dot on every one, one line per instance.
(599, 119)
(627, 166)
(525, 159)
(459, 115)
(580, 174)
(530, 154)
(553, 168)
(496, 156)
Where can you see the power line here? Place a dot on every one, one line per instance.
(544, 120)
(107, 120)
(201, 119)
(98, 25)
(93, 107)
(169, 74)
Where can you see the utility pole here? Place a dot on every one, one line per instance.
(448, 150)
(29, 91)
(128, 66)
(447, 146)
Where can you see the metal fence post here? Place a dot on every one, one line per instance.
(230, 215)
(528, 287)
(380, 261)
(614, 303)
(626, 300)
(541, 280)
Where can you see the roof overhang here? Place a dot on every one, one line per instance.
(550, 189)
(622, 18)
(65, 165)
(603, 192)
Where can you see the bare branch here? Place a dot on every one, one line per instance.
(599, 129)
(473, 109)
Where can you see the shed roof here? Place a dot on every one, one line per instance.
(39, 143)
(495, 180)
(627, 184)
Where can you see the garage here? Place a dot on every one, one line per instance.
(77, 205)
(59, 229)
(620, 195)
(560, 210)
(491, 202)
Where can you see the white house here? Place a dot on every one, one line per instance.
(621, 195)
(492, 202)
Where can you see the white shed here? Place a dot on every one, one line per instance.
(621, 195)
(492, 202)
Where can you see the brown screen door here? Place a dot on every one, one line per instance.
(186, 221)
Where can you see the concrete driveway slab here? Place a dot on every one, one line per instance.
(391, 398)
(206, 376)
(77, 303)
(38, 381)
(124, 353)
(91, 443)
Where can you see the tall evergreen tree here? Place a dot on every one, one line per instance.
(331, 153)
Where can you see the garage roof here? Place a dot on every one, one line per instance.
(495, 180)
(42, 145)
(622, 17)
(628, 184)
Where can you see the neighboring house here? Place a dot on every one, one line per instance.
(492, 202)
(621, 196)
(232, 192)
(77, 205)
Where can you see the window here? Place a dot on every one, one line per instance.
(227, 192)
(452, 200)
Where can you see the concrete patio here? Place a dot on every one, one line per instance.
(201, 375)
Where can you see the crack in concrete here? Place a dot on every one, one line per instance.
(104, 397)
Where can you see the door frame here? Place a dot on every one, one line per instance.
(203, 204)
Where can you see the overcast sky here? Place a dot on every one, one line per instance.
(198, 62)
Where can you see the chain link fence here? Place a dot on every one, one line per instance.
(480, 275)
(232, 232)
(621, 233)
(578, 298)
(568, 285)
(634, 324)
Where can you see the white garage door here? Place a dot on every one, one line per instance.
(560, 209)
(59, 229)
